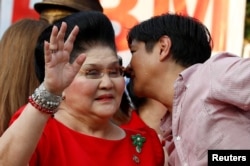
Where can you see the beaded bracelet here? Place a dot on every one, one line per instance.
(45, 101)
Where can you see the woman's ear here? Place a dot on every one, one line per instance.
(165, 45)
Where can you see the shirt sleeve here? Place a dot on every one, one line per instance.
(230, 80)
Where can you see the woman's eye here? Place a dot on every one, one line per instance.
(114, 72)
(92, 72)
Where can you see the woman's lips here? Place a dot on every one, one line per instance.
(105, 97)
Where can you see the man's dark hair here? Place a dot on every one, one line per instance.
(191, 40)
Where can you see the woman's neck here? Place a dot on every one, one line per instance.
(90, 126)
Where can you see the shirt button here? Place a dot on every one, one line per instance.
(178, 138)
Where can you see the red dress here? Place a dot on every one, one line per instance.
(136, 123)
(62, 146)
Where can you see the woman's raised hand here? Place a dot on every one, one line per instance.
(59, 73)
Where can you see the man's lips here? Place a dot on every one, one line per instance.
(128, 72)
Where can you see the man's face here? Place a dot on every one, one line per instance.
(142, 68)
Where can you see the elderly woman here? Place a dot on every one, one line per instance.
(68, 118)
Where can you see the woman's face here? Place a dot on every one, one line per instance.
(98, 87)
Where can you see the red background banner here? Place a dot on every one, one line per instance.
(121, 14)
(224, 18)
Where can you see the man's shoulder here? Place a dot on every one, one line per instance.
(221, 55)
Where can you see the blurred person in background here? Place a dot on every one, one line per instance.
(52, 10)
(17, 77)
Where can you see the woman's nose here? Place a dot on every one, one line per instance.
(106, 81)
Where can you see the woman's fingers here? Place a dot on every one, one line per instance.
(53, 39)
(58, 70)
(57, 51)
(68, 45)
(57, 39)
(60, 36)
(57, 48)
(47, 52)
(78, 62)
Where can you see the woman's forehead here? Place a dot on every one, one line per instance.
(101, 55)
(101, 60)
(98, 64)
(100, 51)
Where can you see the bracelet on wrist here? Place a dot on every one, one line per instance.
(45, 101)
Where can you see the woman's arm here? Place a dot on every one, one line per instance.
(19, 141)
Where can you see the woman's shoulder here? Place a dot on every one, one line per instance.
(135, 123)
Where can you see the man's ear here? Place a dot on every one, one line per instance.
(165, 45)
